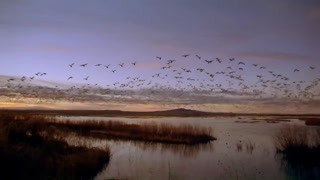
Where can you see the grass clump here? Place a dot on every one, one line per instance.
(163, 133)
(29, 149)
(299, 144)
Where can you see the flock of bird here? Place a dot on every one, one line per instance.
(229, 78)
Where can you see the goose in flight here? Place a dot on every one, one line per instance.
(231, 59)
(69, 78)
(199, 57)
(158, 57)
(11, 79)
(114, 71)
(255, 65)
(186, 55)
(219, 60)
(32, 77)
(312, 68)
(199, 69)
(122, 64)
(134, 63)
(23, 78)
(296, 70)
(38, 73)
(98, 64)
(86, 78)
(241, 63)
(171, 61)
(208, 61)
(71, 65)
(84, 65)
(107, 66)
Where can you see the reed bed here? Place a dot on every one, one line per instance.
(29, 150)
(148, 132)
(299, 144)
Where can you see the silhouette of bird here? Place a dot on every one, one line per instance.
(219, 60)
(231, 59)
(107, 66)
(241, 63)
(312, 68)
(198, 56)
(11, 79)
(71, 65)
(208, 61)
(186, 55)
(296, 70)
(134, 63)
(158, 57)
(121, 65)
(86, 78)
(84, 65)
(69, 78)
(255, 65)
(113, 71)
(98, 64)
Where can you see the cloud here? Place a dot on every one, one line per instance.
(273, 55)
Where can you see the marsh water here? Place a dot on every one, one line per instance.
(244, 149)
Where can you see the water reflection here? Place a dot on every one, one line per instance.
(298, 170)
(177, 149)
(242, 151)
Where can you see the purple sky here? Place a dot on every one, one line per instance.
(47, 36)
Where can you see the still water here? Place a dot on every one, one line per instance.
(243, 150)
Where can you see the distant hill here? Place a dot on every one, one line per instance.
(117, 113)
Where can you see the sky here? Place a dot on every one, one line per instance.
(47, 36)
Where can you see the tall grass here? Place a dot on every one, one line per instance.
(148, 132)
(28, 149)
(299, 143)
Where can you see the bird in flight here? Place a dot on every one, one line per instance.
(241, 63)
(69, 78)
(71, 65)
(296, 70)
(198, 56)
(158, 57)
(98, 64)
(209, 61)
(231, 59)
(107, 66)
(11, 79)
(186, 55)
(219, 60)
(113, 71)
(86, 78)
(312, 68)
(84, 65)
(134, 63)
(122, 64)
